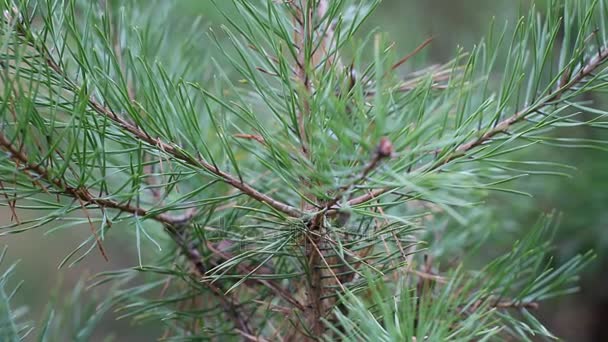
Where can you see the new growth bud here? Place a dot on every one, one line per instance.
(385, 148)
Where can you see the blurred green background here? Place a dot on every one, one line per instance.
(583, 198)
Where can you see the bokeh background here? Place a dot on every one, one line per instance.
(582, 198)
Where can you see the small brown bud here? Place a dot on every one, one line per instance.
(385, 148)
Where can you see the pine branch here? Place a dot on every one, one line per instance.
(37, 172)
(170, 149)
(176, 152)
(228, 301)
(587, 70)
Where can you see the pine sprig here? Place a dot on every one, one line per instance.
(294, 168)
(463, 306)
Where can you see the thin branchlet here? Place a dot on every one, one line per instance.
(37, 172)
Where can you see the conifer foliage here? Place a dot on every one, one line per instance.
(286, 175)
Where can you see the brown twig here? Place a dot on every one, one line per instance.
(195, 258)
(93, 231)
(255, 137)
(411, 54)
(11, 204)
(38, 172)
(409, 84)
(516, 305)
(426, 275)
(383, 151)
